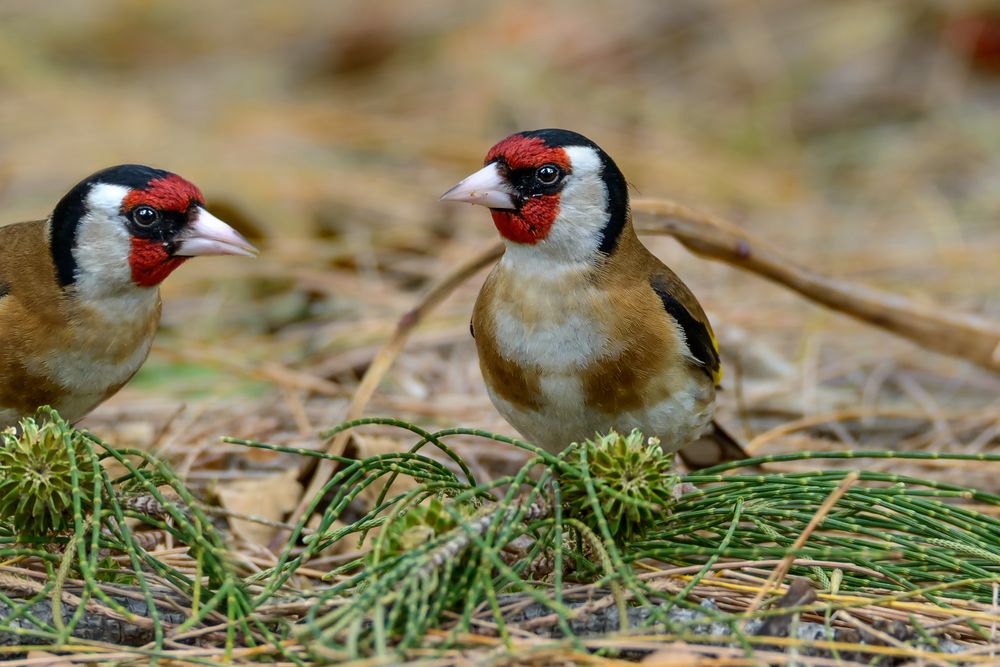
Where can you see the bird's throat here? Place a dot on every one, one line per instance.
(150, 262)
(529, 224)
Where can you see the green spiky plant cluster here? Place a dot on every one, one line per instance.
(456, 553)
(36, 478)
(388, 607)
(88, 504)
(633, 479)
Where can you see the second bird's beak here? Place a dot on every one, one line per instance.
(207, 235)
(486, 187)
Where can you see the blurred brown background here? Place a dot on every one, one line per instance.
(862, 138)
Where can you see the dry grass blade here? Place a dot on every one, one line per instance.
(383, 361)
(963, 335)
(779, 572)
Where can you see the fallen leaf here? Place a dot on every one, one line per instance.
(270, 498)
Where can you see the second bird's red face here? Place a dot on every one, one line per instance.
(535, 172)
(553, 194)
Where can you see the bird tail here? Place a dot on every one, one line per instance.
(714, 447)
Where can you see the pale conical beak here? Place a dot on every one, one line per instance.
(486, 187)
(207, 235)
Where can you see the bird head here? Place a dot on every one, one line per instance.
(131, 226)
(552, 190)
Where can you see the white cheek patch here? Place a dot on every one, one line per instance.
(102, 244)
(583, 209)
(103, 273)
(106, 198)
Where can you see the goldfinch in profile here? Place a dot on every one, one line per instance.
(79, 292)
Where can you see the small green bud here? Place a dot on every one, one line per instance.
(637, 469)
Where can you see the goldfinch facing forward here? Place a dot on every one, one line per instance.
(79, 297)
(579, 328)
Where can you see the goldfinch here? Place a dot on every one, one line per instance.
(79, 296)
(579, 328)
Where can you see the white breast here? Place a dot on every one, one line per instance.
(558, 344)
(551, 323)
(560, 332)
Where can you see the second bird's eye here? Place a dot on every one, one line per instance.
(145, 216)
(547, 174)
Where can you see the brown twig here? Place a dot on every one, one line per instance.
(933, 327)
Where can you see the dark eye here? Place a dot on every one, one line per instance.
(547, 174)
(145, 216)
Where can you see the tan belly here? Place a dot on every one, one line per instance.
(559, 368)
(72, 381)
(563, 416)
(72, 369)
